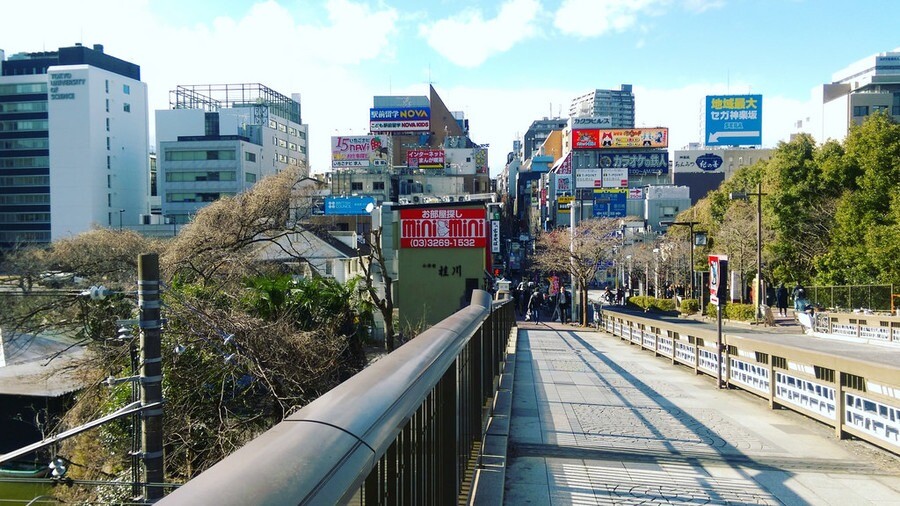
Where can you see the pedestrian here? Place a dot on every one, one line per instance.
(534, 306)
(620, 297)
(781, 296)
(608, 296)
(564, 301)
(799, 294)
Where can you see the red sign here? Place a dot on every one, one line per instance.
(425, 158)
(620, 138)
(443, 228)
(718, 279)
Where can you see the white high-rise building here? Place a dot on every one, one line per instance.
(73, 144)
(219, 140)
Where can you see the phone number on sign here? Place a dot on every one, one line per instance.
(442, 243)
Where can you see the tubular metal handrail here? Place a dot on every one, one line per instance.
(400, 415)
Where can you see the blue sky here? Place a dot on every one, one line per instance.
(503, 63)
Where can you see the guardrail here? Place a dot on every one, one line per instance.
(854, 397)
(405, 430)
(870, 328)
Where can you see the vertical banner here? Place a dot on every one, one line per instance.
(718, 279)
(495, 236)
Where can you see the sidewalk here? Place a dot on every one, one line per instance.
(596, 421)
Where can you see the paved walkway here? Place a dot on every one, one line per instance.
(596, 421)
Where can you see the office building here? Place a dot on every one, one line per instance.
(538, 133)
(617, 105)
(867, 86)
(219, 140)
(73, 144)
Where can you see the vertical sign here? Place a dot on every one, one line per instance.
(495, 236)
(718, 279)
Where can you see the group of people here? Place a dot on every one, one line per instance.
(801, 302)
(533, 302)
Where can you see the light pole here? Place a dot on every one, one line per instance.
(656, 273)
(746, 196)
(628, 293)
(690, 225)
(120, 218)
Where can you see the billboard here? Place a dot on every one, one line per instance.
(399, 119)
(610, 202)
(564, 204)
(638, 164)
(443, 228)
(425, 158)
(613, 138)
(733, 120)
(358, 150)
(588, 178)
(495, 236)
(564, 166)
(615, 178)
(698, 161)
(348, 205)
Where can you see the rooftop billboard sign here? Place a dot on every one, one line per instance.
(733, 120)
(612, 138)
(399, 119)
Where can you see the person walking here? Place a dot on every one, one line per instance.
(781, 296)
(534, 306)
(799, 294)
(564, 302)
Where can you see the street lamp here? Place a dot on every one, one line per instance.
(689, 224)
(120, 218)
(746, 196)
(628, 293)
(656, 273)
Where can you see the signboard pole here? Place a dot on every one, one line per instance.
(718, 295)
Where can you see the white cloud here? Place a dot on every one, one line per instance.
(703, 5)
(591, 18)
(468, 39)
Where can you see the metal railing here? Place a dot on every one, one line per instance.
(405, 430)
(854, 396)
(849, 297)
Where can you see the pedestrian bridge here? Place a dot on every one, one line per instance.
(482, 410)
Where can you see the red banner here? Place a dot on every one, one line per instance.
(443, 228)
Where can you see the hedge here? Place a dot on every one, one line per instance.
(647, 303)
(733, 311)
(689, 306)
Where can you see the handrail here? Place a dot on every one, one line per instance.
(323, 453)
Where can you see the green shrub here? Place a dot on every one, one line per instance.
(644, 302)
(689, 306)
(740, 312)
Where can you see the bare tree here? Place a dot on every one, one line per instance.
(579, 253)
(737, 236)
(380, 290)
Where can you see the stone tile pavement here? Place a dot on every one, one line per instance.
(596, 421)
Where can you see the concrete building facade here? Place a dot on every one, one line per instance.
(618, 105)
(219, 140)
(73, 144)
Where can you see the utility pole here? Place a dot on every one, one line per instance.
(151, 376)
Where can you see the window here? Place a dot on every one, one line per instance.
(250, 157)
(23, 125)
(107, 85)
(250, 177)
(23, 106)
(126, 107)
(193, 155)
(19, 89)
(108, 162)
(272, 123)
(25, 162)
(196, 197)
(860, 110)
(356, 186)
(125, 89)
(107, 143)
(192, 176)
(109, 181)
(282, 143)
(378, 185)
(107, 124)
(879, 108)
(107, 105)
(211, 123)
(282, 128)
(292, 160)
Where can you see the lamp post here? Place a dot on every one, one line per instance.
(120, 218)
(746, 196)
(690, 225)
(628, 293)
(656, 273)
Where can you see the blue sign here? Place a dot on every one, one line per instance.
(733, 120)
(638, 164)
(709, 161)
(610, 202)
(348, 205)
